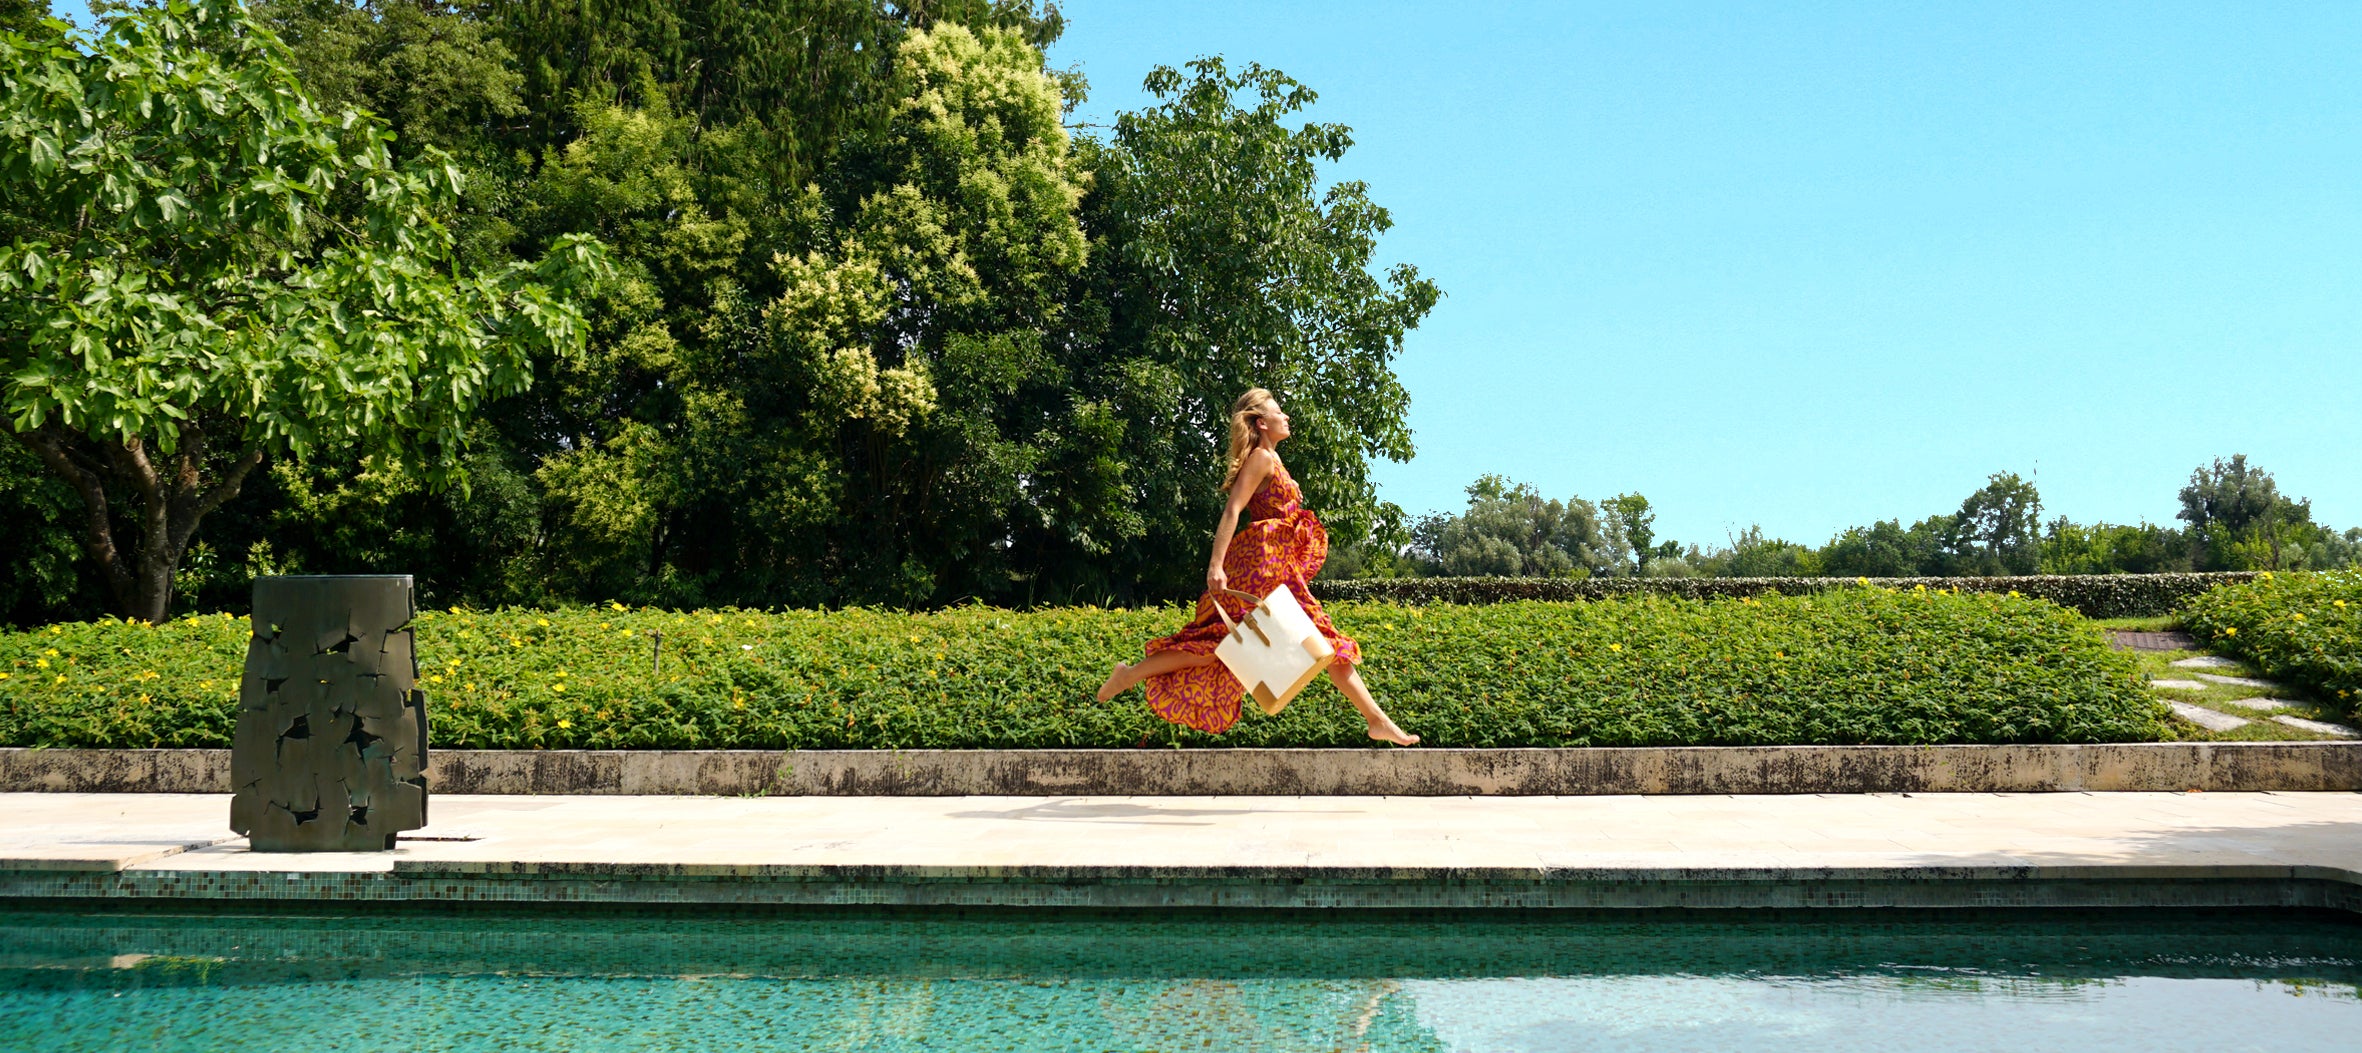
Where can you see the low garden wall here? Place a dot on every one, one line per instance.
(2160, 767)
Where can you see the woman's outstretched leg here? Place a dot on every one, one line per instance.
(1348, 680)
(1121, 678)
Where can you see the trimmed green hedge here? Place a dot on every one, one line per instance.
(2094, 595)
(2303, 629)
(1857, 666)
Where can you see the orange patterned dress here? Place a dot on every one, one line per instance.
(1282, 542)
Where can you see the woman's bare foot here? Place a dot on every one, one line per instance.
(1385, 731)
(1116, 682)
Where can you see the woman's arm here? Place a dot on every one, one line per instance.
(1258, 464)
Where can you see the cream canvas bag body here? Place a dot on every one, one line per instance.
(1274, 650)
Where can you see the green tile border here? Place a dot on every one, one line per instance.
(1142, 888)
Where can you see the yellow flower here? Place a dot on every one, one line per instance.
(628, 633)
(606, 625)
(2013, 593)
(2340, 603)
(717, 619)
(617, 606)
(1615, 647)
(1862, 581)
(740, 704)
(61, 678)
(51, 652)
(2298, 615)
(1779, 654)
(564, 724)
(3, 676)
(543, 622)
(2267, 575)
(2230, 630)
(557, 687)
(1919, 588)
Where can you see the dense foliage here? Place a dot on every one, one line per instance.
(2304, 629)
(1861, 666)
(2094, 596)
(882, 329)
(200, 269)
(2234, 517)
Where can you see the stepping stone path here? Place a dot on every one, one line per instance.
(2178, 685)
(2317, 727)
(2238, 681)
(2207, 718)
(2134, 640)
(2204, 661)
(2266, 704)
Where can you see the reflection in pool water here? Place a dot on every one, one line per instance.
(1866, 981)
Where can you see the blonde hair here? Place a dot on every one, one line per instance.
(1242, 430)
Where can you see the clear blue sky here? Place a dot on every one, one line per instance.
(1812, 265)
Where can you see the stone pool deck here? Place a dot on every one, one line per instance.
(1600, 852)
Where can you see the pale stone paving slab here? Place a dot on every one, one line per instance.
(2204, 661)
(2318, 727)
(736, 835)
(2238, 681)
(2261, 703)
(2206, 718)
(2178, 685)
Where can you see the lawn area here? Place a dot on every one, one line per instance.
(1856, 666)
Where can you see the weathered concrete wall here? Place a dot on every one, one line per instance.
(2172, 767)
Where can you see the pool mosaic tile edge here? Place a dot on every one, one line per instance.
(1115, 888)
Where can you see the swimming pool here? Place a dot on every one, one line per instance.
(1855, 980)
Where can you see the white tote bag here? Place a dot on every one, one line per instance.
(1275, 649)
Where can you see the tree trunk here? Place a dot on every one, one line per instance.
(167, 500)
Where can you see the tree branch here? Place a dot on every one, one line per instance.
(54, 447)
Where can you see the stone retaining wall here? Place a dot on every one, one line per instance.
(2168, 767)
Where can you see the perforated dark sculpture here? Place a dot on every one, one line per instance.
(330, 751)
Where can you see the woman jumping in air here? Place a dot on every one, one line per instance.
(1282, 542)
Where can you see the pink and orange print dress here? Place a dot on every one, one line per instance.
(1282, 542)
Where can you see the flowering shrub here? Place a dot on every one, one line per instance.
(1858, 666)
(2095, 595)
(2301, 628)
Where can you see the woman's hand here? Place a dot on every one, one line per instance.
(1217, 579)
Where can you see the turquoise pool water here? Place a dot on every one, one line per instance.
(1863, 981)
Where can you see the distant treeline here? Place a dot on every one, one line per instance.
(2233, 517)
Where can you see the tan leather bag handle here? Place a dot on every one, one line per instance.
(1250, 619)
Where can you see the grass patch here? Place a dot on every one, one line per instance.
(1855, 666)
(2162, 623)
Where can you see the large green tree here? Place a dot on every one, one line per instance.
(1221, 261)
(202, 270)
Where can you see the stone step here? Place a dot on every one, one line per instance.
(2204, 661)
(2262, 703)
(2206, 718)
(2318, 727)
(2238, 681)
(2178, 685)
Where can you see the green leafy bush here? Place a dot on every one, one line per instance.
(2304, 629)
(1856, 666)
(2094, 595)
